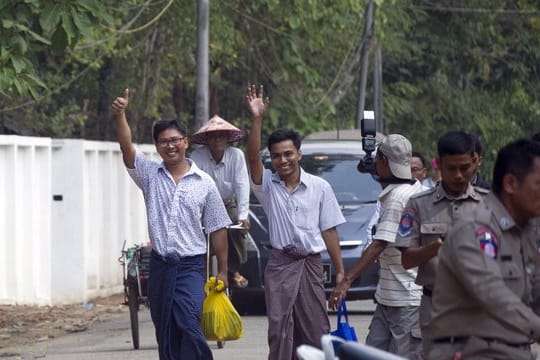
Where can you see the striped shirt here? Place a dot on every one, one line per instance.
(177, 212)
(396, 285)
(298, 218)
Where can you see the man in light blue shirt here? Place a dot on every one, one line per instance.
(303, 214)
(178, 197)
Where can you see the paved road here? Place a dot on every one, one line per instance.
(112, 340)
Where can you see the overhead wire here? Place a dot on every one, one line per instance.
(151, 22)
(126, 30)
(501, 11)
(346, 59)
(256, 21)
(123, 30)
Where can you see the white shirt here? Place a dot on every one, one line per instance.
(396, 286)
(298, 218)
(230, 174)
(373, 220)
(175, 210)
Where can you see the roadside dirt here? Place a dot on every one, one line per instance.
(24, 325)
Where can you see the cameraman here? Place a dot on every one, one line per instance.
(394, 326)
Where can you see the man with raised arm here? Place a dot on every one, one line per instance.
(178, 196)
(303, 214)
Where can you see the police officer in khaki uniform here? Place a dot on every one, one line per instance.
(484, 288)
(430, 214)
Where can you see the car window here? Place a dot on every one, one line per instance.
(348, 184)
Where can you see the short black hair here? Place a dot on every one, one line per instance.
(515, 158)
(477, 145)
(456, 143)
(163, 125)
(418, 155)
(536, 137)
(283, 134)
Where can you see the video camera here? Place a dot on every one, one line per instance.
(369, 144)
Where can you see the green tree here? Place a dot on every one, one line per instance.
(30, 27)
(470, 65)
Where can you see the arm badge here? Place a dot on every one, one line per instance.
(406, 222)
(489, 244)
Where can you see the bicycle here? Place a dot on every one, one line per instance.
(135, 262)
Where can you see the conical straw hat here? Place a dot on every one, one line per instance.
(216, 124)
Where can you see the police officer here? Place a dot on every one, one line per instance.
(429, 215)
(482, 297)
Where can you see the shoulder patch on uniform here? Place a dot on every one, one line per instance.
(406, 222)
(488, 242)
(483, 214)
(423, 193)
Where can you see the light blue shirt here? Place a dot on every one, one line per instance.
(177, 212)
(298, 218)
(230, 174)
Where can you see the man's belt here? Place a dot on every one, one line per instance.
(295, 253)
(452, 339)
(464, 339)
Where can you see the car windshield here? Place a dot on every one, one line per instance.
(349, 185)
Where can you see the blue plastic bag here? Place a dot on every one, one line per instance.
(344, 329)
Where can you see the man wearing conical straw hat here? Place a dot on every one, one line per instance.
(227, 166)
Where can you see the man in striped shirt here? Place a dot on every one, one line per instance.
(394, 326)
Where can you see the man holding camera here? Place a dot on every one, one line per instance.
(394, 326)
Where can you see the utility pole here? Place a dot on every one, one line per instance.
(203, 19)
(377, 89)
(365, 47)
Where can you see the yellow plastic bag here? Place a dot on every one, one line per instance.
(220, 320)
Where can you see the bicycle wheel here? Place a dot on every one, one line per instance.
(133, 302)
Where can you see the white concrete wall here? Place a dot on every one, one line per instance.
(25, 226)
(66, 207)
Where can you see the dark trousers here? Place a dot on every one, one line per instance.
(176, 295)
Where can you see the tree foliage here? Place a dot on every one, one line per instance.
(447, 65)
(30, 28)
(471, 66)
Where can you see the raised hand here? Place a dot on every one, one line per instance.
(256, 101)
(120, 104)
